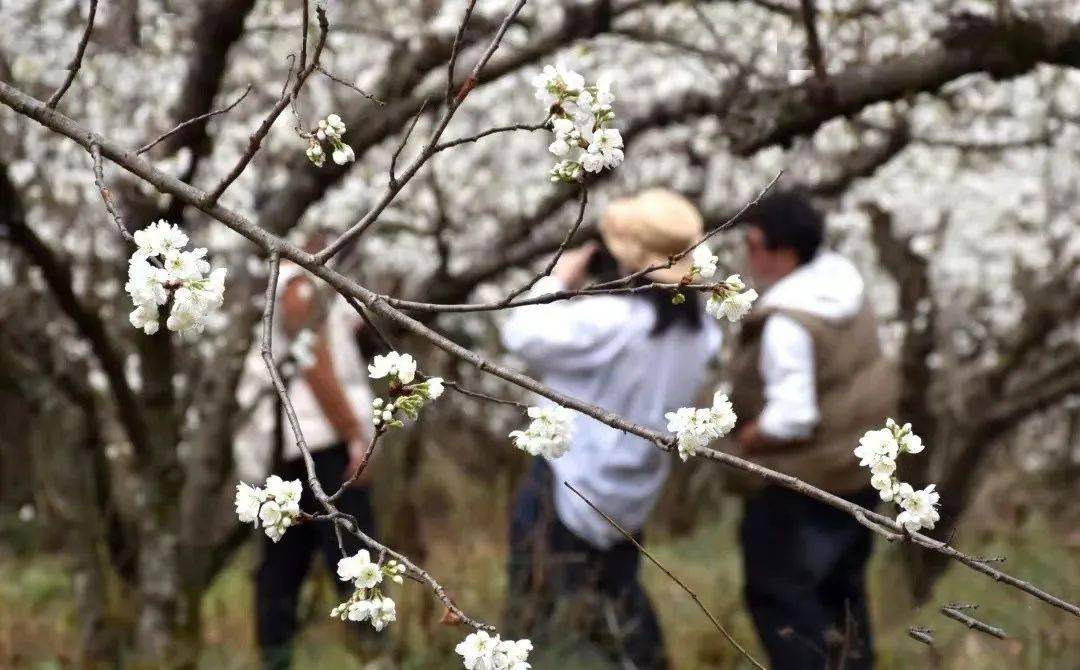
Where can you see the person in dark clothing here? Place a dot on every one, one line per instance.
(809, 379)
(560, 583)
(285, 563)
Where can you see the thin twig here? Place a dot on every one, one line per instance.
(346, 84)
(403, 142)
(395, 185)
(973, 623)
(256, 138)
(814, 53)
(304, 23)
(76, 61)
(558, 252)
(483, 396)
(491, 131)
(682, 585)
(202, 117)
(924, 635)
(106, 195)
(360, 466)
(454, 49)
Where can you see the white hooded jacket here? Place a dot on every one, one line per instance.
(828, 286)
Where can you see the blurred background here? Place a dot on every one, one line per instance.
(941, 138)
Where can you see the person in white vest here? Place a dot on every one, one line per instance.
(637, 355)
(328, 386)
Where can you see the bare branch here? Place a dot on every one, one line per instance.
(403, 142)
(202, 117)
(814, 53)
(110, 207)
(924, 635)
(971, 622)
(490, 131)
(346, 84)
(76, 61)
(558, 252)
(256, 138)
(429, 150)
(454, 49)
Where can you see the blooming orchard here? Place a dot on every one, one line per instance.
(696, 428)
(161, 272)
(579, 117)
(878, 450)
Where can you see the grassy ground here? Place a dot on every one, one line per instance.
(38, 626)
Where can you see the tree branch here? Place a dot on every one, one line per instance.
(34, 109)
(76, 61)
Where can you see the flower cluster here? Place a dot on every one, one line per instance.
(730, 299)
(276, 505)
(406, 395)
(482, 651)
(330, 131)
(579, 118)
(696, 428)
(367, 603)
(878, 450)
(548, 434)
(160, 271)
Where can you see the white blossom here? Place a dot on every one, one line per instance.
(548, 434)
(276, 505)
(433, 387)
(876, 447)
(248, 501)
(360, 570)
(160, 269)
(329, 132)
(483, 651)
(704, 262)
(919, 507)
(382, 612)
(402, 367)
(275, 519)
(159, 238)
(878, 450)
(731, 304)
(696, 428)
(145, 318)
(580, 116)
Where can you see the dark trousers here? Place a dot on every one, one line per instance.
(562, 588)
(805, 580)
(285, 563)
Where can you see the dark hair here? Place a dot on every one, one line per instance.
(788, 220)
(603, 267)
